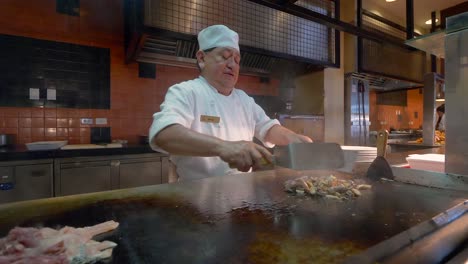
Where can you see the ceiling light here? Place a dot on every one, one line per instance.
(430, 21)
(440, 100)
(390, 0)
(376, 12)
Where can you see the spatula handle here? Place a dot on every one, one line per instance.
(382, 138)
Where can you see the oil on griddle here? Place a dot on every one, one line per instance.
(283, 229)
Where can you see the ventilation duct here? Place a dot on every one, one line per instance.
(383, 83)
(164, 32)
(385, 66)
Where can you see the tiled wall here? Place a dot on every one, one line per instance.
(386, 116)
(133, 99)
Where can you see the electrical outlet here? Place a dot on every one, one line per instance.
(86, 121)
(34, 93)
(101, 121)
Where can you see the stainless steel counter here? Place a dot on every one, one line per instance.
(399, 157)
(415, 147)
(20, 152)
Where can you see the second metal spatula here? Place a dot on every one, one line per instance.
(380, 168)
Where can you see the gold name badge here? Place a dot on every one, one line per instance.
(210, 119)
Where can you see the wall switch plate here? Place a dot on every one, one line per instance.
(86, 121)
(101, 121)
(34, 93)
(51, 94)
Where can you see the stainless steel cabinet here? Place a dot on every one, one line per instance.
(26, 180)
(139, 172)
(102, 173)
(84, 176)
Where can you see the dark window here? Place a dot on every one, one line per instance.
(68, 7)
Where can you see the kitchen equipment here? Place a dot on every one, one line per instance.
(362, 111)
(356, 113)
(364, 154)
(456, 82)
(430, 162)
(100, 135)
(46, 145)
(308, 156)
(25, 180)
(249, 212)
(427, 242)
(380, 168)
(6, 139)
(143, 139)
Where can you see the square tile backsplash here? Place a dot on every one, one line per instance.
(133, 100)
(129, 117)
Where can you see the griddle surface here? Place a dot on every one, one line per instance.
(242, 219)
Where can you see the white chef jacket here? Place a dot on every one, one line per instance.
(240, 119)
(442, 121)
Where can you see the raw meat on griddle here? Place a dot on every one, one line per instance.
(47, 245)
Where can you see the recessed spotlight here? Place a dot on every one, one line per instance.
(430, 21)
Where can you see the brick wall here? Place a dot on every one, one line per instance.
(133, 99)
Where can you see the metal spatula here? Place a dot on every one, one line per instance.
(380, 168)
(309, 156)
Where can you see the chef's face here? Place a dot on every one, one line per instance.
(220, 67)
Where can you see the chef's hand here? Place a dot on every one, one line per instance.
(297, 138)
(244, 155)
(281, 136)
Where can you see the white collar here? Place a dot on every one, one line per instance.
(213, 88)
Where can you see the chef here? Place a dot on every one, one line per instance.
(207, 125)
(440, 124)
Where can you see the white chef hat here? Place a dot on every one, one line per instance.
(218, 36)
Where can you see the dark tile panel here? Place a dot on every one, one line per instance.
(80, 74)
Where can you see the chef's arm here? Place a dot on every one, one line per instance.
(279, 135)
(179, 140)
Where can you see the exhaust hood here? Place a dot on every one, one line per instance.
(181, 53)
(386, 66)
(164, 32)
(383, 83)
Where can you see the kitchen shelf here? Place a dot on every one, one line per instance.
(433, 43)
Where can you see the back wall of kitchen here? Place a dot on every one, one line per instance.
(387, 116)
(133, 100)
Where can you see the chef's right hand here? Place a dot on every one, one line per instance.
(244, 155)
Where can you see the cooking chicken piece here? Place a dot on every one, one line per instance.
(334, 197)
(296, 185)
(329, 187)
(363, 187)
(356, 192)
(47, 245)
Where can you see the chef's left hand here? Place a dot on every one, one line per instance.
(281, 136)
(297, 138)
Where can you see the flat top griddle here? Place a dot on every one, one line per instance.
(245, 218)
